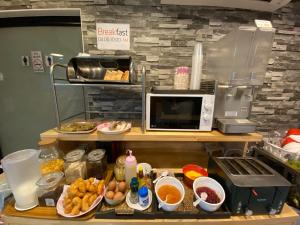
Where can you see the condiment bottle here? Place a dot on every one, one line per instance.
(130, 167)
(140, 176)
(143, 196)
(119, 169)
(134, 188)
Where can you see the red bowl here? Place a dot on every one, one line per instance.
(189, 181)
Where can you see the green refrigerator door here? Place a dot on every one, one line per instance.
(26, 98)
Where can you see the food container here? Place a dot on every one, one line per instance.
(114, 202)
(181, 78)
(50, 157)
(50, 188)
(191, 172)
(169, 181)
(96, 164)
(22, 172)
(101, 69)
(119, 169)
(75, 165)
(215, 186)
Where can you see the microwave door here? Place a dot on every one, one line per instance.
(169, 112)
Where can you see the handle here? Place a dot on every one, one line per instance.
(195, 203)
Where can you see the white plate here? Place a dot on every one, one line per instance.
(137, 206)
(60, 207)
(104, 128)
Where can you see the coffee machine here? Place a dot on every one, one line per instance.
(238, 62)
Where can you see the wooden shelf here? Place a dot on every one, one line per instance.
(136, 134)
(287, 217)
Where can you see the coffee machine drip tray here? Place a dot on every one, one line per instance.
(235, 126)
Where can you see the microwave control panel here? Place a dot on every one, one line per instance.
(207, 113)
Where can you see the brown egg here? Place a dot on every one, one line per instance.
(122, 186)
(110, 194)
(118, 196)
(112, 185)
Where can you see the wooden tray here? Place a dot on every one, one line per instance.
(186, 210)
(46, 212)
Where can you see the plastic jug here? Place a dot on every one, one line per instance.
(130, 167)
(22, 172)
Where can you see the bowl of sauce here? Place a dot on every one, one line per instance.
(192, 172)
(211, 193)
(169, 192)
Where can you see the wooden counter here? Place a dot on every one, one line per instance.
(287, 217)
(135, 134)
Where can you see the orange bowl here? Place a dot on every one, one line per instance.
(191, 172)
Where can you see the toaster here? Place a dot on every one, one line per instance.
(251, 187)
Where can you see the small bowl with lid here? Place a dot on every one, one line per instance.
(49, 188)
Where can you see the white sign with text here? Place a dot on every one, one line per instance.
(112, 36)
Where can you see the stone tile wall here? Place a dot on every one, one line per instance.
(162, 37)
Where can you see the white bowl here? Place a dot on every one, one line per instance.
(212, 184)
(170, 181)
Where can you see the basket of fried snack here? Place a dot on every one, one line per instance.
(80, 197)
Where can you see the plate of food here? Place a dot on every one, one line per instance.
(77, 127)
(80, 197)
(114, 127)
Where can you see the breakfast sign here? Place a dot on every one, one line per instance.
(112, 36)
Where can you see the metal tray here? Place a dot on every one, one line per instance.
(185, 211)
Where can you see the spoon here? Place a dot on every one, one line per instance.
(203, 197)
(163, 174)
(163, 202)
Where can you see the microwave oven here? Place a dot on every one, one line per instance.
(189, 111)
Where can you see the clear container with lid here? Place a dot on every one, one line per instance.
(96, 164)
(75, 165)
(119, 169)
(50, 157)
(49, 188)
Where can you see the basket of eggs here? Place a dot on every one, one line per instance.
(80, 197)
(115, 192)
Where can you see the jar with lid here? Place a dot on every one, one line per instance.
(75, 165)
(119, 169)
(49, 188)
(181, 78)
(50, 157)
(96, 164)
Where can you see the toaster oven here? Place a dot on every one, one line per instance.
(251, 186)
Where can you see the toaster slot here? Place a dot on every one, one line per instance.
(245, 166)
(240, 167)
(259, 167)
(229, 167)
